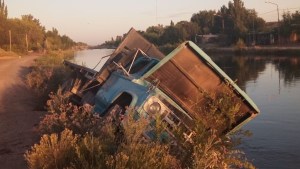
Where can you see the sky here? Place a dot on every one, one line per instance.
(95, 21)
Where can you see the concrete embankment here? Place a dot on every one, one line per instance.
(273, 51)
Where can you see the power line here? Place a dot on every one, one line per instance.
(279, 10)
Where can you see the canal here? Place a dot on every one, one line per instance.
(274, 84)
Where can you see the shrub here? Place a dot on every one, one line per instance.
(240, 44)
(47, 74)
(92, 152)
(218, 152)
(61, 115)
(5, 53)
(53, 151)
(117, 141)
(104, 151)
(219, 110)
(134, 151)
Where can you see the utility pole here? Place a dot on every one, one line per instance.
(9, 32)
(26, 39)
(156, 12)
(253, 27)
(277, 18)
(223, 25)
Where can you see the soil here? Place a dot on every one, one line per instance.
(18, 119)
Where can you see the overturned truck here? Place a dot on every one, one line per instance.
(179, 87)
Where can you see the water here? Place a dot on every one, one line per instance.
(274, 85)
(90, 58)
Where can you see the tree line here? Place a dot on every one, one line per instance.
(290, 23)
(233, 23)
(28, 34)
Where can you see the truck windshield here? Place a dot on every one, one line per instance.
(139, 66)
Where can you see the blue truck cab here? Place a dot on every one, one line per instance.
(123, 88)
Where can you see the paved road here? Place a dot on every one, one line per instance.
(17, 115)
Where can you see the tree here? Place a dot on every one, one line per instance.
(67, 42)
(34, 32)
(153, 34)
(27, 33)
(3, 23)
(55, 41)
(171, 35)
(236, 21)
(188, 29)
(232, 22)
(3, 10)
(205, 21)
(290, 23)
(172, 23)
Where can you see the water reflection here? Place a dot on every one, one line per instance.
(247, 68)
(289, 69)
(274, 85)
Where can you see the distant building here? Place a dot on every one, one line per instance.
(261, 38)
(271, 37)
(295, 37)
(208, 40)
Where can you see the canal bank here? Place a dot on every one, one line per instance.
(256, 50)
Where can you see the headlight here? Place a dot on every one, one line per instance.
(153, 108)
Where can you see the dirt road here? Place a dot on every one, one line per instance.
(17, 115)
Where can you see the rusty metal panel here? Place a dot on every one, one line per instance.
(134, 41)
(186, 75)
